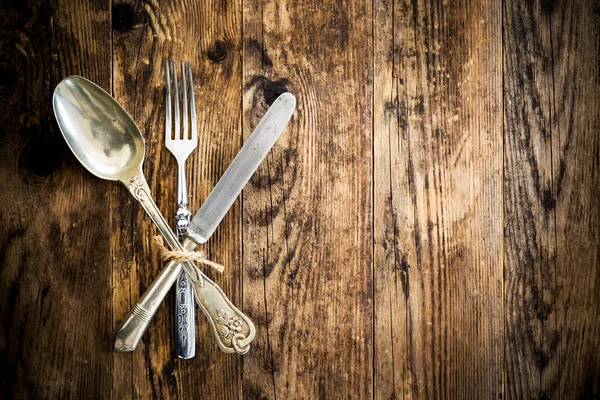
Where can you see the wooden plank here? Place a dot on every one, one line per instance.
(575, 33)
(307, 250)
(530, 244)
(552, 208)
(437, 200)
(55, 275)
(209, 36)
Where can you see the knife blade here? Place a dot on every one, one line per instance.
(233, 330)
(242, 168)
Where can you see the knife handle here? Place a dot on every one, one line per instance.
(233, 330)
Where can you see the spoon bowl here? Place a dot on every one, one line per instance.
(100, 133)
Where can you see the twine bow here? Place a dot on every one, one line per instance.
(197, 257)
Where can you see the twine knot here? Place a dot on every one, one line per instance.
(198, 257)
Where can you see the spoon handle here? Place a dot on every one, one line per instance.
(233, 330)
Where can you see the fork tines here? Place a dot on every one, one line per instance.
(187, 87)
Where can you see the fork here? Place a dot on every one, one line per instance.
(181, 147)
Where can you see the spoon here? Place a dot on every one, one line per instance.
(106, 140)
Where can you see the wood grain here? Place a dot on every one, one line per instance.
(438, 200)
(54, 281)
(552, 203)
(428, 226)
(307, 211)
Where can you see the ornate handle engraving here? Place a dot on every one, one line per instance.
(233, 330)
(182, 220)
(185, 330)
(138, 188)
(185, 338)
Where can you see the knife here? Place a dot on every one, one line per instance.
(233, 330)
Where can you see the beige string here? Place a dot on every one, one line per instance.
(199, 257)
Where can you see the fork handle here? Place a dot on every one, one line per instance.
(185, 328)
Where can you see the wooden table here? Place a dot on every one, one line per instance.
(428, 225)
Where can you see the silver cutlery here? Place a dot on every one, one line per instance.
(181, 146)
(233, 333)
(107, 142)
(105, 139)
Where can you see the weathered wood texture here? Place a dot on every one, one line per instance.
(428, 226)
(552, 177)
(55, 279)
(307, 211)
(438, 200)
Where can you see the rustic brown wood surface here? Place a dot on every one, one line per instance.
(428, 226)
(438, 201)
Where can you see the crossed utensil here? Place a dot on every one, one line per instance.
(108, 143)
